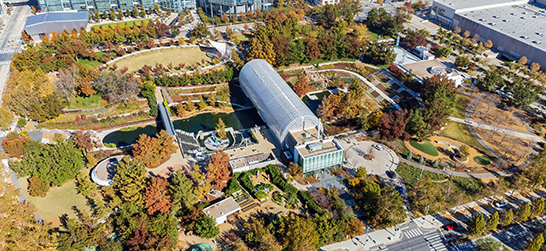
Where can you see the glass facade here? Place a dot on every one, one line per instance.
(321, 161)
(278, 105)
(105, 5)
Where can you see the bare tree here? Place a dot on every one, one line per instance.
(67, 81)
(118, 87)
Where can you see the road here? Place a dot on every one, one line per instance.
(514, 237)
(418, 239)
(10, 42)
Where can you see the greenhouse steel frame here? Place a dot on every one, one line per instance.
(278, 105)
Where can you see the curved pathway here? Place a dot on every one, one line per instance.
(461, 174)
(383, 95)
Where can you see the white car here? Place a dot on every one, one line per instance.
(378, 147)
(501, 203)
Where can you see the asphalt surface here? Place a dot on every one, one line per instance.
(417, 239)
(11, 42)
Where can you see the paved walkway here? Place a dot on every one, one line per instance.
(460, 174)
(22, 197)
(383, 95)
(499, 129)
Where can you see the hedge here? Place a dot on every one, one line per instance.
(197, 78)
(279, 181)
(233, 187)
(306, 195)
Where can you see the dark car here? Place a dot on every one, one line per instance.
(451, 226)
(391, 174)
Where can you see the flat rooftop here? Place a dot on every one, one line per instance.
(224, 207)
(465, 5)
(326, 146)
(107, 168)
(526, 22)
(423, 69)
(248, 160)
(304, 136)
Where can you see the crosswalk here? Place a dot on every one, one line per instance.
(435, 240)
(9, 50)
(413, 233)
(4, 63)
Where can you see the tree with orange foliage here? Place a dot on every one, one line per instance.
(302, 85)
(151, 151)
(354, 228)
(14, 145)
(312, 49)
(158, 198)
(221, 161)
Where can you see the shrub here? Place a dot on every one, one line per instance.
(279, 181)
(306, 196)
(36, 187)
(233, 186)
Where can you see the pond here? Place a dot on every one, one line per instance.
(202, 122)
(313, 104)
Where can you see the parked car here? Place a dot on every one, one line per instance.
(378, 147)
(391, 174)
(501, 203)
(451, 226)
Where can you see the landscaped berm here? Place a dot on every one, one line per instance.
(425, 147)
(176, 56)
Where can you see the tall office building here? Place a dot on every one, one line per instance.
(218, 7)
(178, 5)
(101, 5)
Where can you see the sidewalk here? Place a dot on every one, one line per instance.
(375, 239)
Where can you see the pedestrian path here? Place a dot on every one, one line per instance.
(435, 240)
(9, 50)
(413, 233)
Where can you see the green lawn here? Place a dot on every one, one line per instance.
(85, 103)
(480, 160)
(461, 102)
(472, 188)
(410, 174)
(58, 201)
(425, 147)
(461, 133)
(122, 24)
(243, 37)
(92, 64)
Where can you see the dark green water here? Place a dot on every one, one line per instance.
(314, 104)
(201, 122)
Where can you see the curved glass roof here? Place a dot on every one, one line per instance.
(278, 105)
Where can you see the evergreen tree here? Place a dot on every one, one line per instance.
(182, 191)
(120, 13)
(100, 209)
(538, 207)
(507, 218)
(417, 126)
(476, 225)
(493, 221)
(206, 227)
(523, 212)
(135, 12)
(409, 156)
(104, 15)
(96, 14)
(130, 181)
(221, 129)
(86, 187)
(112, 14)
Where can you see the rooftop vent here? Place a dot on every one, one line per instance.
(538, 42)
(522, 17)
(482, 19)
(535, 17)
(539, 33)
(525, 37)
(506, 21)
(307, 134)
(495, 17)
(492, 24)
(314, 147)
(524, 13)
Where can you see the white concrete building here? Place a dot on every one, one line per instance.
(221, 210)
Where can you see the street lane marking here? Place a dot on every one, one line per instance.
(413, 233)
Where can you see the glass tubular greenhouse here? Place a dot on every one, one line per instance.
(278, 105)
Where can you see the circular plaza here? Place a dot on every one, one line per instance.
(376, 158)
